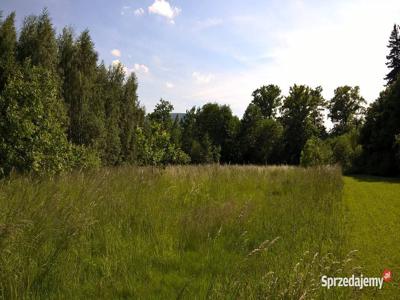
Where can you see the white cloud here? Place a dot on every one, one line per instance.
(202, 78)
(169, 85)
(139, 12)
(140, 68)
(116, 52)
(208, 23)
(127, 71)
(124, 10)
(163, 8)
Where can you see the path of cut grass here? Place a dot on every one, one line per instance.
(373, 222)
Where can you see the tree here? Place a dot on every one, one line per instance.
(345, 109)
(162, 114)
(113, 100)
(131, 117)
(221, 126)
(8, 42)
(301, 119)
(32, 123)
(37, 42)
(394, 55)
(268, 99)
(378, 135)
(260, 137)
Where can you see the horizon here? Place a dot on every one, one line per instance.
(191, 54)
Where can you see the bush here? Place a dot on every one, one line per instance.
(32, 123)
(315, 153)
(347, 151)
(84, 158)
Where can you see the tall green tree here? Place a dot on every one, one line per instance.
(378, 135)
(219, 124)
(260, 134)
(162, 114)
(268, 99)
(393, 58)
(79, 73)
(131, 117)
(346, 109)
(302, 118)
(8, 43)
(37, 41)
(113, 100)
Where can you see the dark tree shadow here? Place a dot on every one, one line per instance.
(370, 178)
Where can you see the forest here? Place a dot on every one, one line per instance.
(62, 108)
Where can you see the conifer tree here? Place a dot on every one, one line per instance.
(393, 58)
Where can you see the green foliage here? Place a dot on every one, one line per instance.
(32, 120)
(268, 99)
(84, 158)
(218, 123)
(37, 42)
(131, 117)
(347, 151)
(394, 55)
(301, 119)
(162, 114)
(204, 152)
(8, 43)
(316, 153)
(345, 109)
(156, 147)
(209, 134)
(260, 137)
(378, 135)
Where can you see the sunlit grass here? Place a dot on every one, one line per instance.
(180, 232)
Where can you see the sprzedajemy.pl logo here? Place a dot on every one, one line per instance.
(356, 281)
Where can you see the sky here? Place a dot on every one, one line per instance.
(193, 52)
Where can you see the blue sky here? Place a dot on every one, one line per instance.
(192, 52)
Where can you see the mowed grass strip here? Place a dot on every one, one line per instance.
(373, 226)
(181, 232)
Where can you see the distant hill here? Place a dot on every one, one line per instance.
(180, 116)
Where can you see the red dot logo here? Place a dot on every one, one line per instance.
(387, 275)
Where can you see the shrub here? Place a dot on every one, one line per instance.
(347, 151)
(316, 152)
(32, 123)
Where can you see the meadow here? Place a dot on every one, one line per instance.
(194, 232)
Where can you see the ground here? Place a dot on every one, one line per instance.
(196, 232)
(373, 222)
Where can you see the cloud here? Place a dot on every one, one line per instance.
(124, 10)
(208, 23)
(169, 85)
(202, 78)
(139, 12)
(164, 9)
(140, 68)
(116, 52)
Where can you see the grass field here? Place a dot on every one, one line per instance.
(195, 233)
(373, 222)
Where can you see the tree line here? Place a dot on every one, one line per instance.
(60, 109)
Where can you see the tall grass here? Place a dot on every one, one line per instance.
(180, 232)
